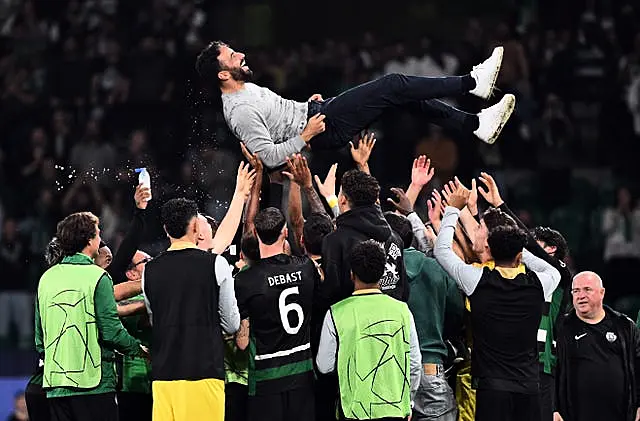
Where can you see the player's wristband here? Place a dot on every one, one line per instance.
(332, 200)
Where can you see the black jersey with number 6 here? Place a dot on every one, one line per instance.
(276, 295)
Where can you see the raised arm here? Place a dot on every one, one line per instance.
(421, 174)
(295, 214)
(253, 204)
(328, 189)
(231, 221)
(404, 207)
(548, 275)
(299, 173)
(249, 125)
(466, 276)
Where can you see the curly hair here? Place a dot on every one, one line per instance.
(207, 63)
(506, 242)
(269, 223)
(75, 231)
(494, 217)
(360, 188)
(176, 215)
(368, 261)
(53, 254)
(316, 227)
(553, 238)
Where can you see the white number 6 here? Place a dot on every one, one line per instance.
(285, 309)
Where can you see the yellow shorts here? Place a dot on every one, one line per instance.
(185, 400)
(465, 395)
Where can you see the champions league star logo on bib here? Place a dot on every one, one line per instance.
(611, 337)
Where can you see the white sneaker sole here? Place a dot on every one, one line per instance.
(510, 102)
(486, 95)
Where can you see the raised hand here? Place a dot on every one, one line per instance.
(421, 173)
(491, 194)
(472, 202)
(316, 97)
(253, 159)
(363, 152)
(458, 198)
(244, 180)
(299, 171)
(434, 206)
(328, 188)
(141, 196)
(403, 205)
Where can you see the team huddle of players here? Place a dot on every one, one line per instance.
(342, 313)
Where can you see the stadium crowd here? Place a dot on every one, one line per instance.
(95, 89)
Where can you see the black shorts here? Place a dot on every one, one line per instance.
(37, 403)
(497, 405)
(100, 407)
(235, 402)
(135, 406)
(292, 405)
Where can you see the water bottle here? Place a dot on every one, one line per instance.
(145, 179)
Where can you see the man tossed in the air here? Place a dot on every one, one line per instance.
(275, 127)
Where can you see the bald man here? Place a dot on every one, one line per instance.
(598, 358)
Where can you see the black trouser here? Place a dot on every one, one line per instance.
(326, 395)
(547, 396)
(355, 109)
(235, 402)
(135, 406)
(497, 405)
(292, 405)
(101, 407)
(37, 403)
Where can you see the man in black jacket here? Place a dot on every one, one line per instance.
(361, 219)
(598, 351)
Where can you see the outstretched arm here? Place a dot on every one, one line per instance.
(229, 225)
(253, 204)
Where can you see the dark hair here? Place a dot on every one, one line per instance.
(505, 242)
(212, 223)
(552, 238)
(316, 227)
(53, 254)
(367, 261)
(75, 231)
(494, 217)
(269, 223)
(402, 226)
(207, 63)
(360, 188)
(176, 215)
(249, 247)
(102, 244)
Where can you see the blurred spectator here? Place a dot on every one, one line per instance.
(621, 228)
(19, 409)
(16, 303)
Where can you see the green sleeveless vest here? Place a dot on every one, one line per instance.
(70, 334)
(373, 356)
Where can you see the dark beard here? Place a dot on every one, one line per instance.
(240, 74)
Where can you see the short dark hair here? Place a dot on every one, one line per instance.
(207, 63)
(367, 261)
(212, 223)
(360, 188)
(402, 226)
(269, 223)
(176, 215)
(316, 227)
(53, 254)
(552, 238)
(505, 242)
(75, 231)
(494, 217)
(249, 247)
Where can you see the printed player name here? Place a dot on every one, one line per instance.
(286, 278)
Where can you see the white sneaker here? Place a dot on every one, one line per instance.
(486, 73)
(493, 119)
